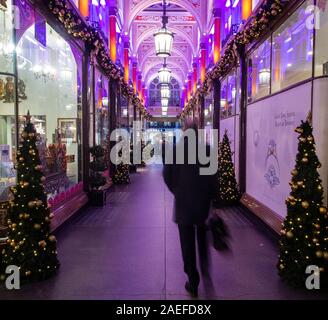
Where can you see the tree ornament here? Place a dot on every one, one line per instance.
(37, 226)
(294, 172)
(305, 160)
(290, 235)
(305, 204)
(319, 254)
(31, 204)
(323, 210)
(52, 238)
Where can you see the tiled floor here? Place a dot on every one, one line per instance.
(130, 250)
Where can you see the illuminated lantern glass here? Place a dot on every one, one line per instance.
(165, 102)
(163, 43)
(165, 91)
(164, 75)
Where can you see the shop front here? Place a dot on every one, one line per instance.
(287, 78)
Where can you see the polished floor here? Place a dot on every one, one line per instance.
(130, 250)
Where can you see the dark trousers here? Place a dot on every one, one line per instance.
(188, 247)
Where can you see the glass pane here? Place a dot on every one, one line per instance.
(321, 50)
(259, 72)
(292, 50)
(50, 80)
(7, 45)
(7, 135)
(232, 91)
(102, 111)
(224, 101)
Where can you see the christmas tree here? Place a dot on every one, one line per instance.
(30, 244)
(304, 239)
(122, 174)
(122, 171)
(229, 193)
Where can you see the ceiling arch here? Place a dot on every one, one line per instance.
(144, 4)
(156, 63)
(176, 54)
(174, 74)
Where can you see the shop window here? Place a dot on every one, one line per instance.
(224, 101)
(7, 45)
(292, 50)
(238, 90)
(232, 93)
(259, 72)
(102, 111)
(7, 101)
(49, 71)
(321, 42)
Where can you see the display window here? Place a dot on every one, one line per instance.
(208, 117)
(101, 109)
(321, 50)
(7, 101)
(49, 73)
(7, 44)
(293, 50)
(259, 72)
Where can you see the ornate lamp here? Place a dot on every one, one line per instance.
(165, 91)
(163, 37)
(165, 102)
(164, 74)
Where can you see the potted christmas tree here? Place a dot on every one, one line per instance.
(304, 235)
(229, 193)
(97, 179)
(30, 245)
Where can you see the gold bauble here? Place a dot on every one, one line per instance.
(299, 183)
(31, 151)
(42, 244)
(31, 204)
(315, 240)
(26, 215)
(37, 226)
(302, 139)
(21, 159)
(2, 277)
(305, 160)
(323, 210)
(28, 273)
(319, 254)
(290, 234)
(26, 184)
(305, 204)
(294, 172)
(21, 216)
(281, 266)
(325, 255)
(24, 135)
(39, 203)
(310, 138)
(322, 269)
(52, 238)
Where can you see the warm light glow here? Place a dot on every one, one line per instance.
(126, 65)
(217, 40)
(163, 43)
(246, 9)
(164, 75)
(84, 7)
(112, 38)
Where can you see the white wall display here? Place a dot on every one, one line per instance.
(320, 120)
(272, 145)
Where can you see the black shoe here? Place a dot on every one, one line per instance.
(192, 290)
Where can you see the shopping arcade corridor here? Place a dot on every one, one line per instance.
(130, 250)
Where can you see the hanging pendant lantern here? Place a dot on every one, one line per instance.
(163, 37)
(165, 102)
(164, 75)
(165, 91)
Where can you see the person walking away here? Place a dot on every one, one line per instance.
(193, 194)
